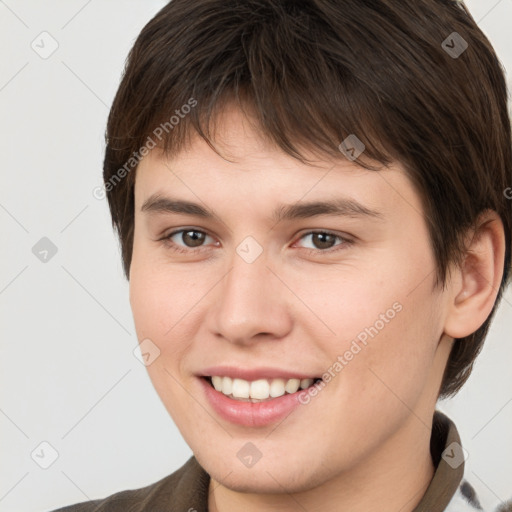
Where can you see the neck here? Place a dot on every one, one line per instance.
(394, 478)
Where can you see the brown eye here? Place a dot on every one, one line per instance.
(185, 240)
(193, 238)
(322, 241)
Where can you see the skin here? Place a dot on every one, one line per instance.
(363, 442)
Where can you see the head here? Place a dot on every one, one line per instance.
(245, 107)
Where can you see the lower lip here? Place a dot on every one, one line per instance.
(250, 414)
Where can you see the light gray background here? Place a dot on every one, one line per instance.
(68, 373)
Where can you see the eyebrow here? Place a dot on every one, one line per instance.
(337, 207)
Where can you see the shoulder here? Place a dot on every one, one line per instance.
(185, 489)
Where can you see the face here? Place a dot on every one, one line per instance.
(345, 296)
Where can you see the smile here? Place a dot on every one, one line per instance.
(258, 390)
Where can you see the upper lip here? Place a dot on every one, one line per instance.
(251, 374)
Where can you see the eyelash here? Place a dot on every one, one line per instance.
(176, 248)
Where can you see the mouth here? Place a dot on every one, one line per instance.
(261, 390)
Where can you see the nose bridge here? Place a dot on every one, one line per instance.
(249, 301)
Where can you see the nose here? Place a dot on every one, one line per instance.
(251, 303)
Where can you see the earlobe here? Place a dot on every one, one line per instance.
(478, 278)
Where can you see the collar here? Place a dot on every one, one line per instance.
(447, 455)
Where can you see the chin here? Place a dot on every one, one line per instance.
(266, 478)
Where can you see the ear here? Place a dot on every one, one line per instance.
(475, 283)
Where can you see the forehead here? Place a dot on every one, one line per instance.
(253, 171)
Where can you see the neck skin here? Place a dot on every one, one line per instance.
(393, 478)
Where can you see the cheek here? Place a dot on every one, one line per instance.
(159, 295)
(158, 303)
(149, 304)
(395, 365)
(387, 322)
(159, 310)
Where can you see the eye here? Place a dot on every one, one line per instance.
(194, 239)
(323, 241)
(191, 237)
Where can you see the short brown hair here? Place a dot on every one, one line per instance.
(313, 72)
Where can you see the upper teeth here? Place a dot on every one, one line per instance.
(260, 389)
